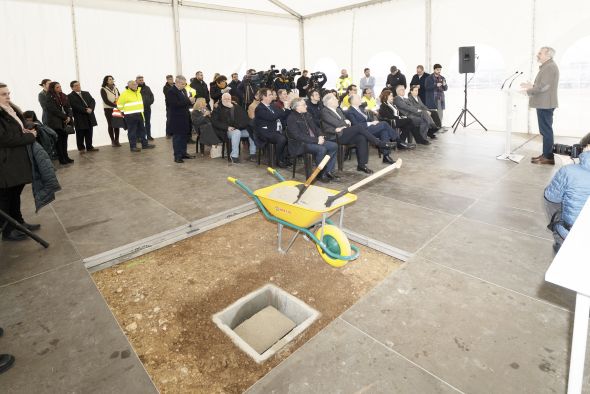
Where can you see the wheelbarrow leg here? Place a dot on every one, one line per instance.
(341, 216)
(291, 242)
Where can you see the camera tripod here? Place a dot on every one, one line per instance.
(464, 113)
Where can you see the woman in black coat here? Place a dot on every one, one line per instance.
(58, 117)
(389, 113)
(15, 164)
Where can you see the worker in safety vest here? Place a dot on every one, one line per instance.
(343, 82)
(130, 104)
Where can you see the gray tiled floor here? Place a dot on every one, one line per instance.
(471, 310)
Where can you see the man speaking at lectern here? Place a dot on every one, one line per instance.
(543, 97)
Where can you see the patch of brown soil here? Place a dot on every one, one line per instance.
(164, 300)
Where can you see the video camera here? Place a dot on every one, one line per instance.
(263, 79)
(572, 151)
(293, 72)
(317, 80)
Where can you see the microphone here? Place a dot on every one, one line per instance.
(506, 80)
(514, 79)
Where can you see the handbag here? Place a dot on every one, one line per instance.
(215, 151)
(69, 129)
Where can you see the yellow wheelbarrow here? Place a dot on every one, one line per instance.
(309, 216)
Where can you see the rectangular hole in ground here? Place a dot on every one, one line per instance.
(164, 300)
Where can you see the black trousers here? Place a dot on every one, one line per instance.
(407, 127)
(10, 204)
(359, 135)
(113, 132)
(274, 137)
(61, 146)
(84, 139)
(147, 115)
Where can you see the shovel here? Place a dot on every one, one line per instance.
(314, 174)
(331, 199)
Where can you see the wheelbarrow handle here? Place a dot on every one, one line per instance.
(276, 174)
(241, 185)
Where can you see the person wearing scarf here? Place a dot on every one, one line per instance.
(59, 115)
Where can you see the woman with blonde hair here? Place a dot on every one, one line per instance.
(201, 120)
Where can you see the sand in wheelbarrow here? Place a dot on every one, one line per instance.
(313, 198)
(164, 300)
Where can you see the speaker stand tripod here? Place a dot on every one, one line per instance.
(463, 114)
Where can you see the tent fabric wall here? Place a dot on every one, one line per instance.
(506, 34)
(125, 39)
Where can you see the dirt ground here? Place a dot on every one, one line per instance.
(164, 300)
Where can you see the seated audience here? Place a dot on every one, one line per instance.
(233, 119)
(337, 128)
(344, 103)
(420, 118)
(201, 121)
(369, 100)
(306, 138)
(15, 169)
(282, 98)
(268, 125)
(379, 129)
(314, 107)
(415, 101)
(389, 113)
(567, 193)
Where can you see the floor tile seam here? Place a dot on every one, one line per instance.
(409, 203)
(491, 202)
(66, 232)
(121, 331)
(497, 285)
(391, 350)
(505, 228)
(38, 274)
(141, 191)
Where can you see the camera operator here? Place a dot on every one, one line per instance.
(247, 89)
(567, 193)
(303, 84)
(283, 81)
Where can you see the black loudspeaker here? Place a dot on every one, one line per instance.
(466, 60)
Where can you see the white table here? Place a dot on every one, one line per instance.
(571, 269)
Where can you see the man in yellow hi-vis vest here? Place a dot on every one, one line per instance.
(130, 103)
(343, 82)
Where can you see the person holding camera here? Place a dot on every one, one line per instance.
(59, 116)
(543, 96)
(567, 193)
(15, 167)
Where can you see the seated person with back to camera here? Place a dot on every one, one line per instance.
(568, 191)
(306, 138)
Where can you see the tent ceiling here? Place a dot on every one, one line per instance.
(304, 8)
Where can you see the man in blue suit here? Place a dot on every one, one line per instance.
(269, 123)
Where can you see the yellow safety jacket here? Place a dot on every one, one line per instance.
(342, 84)
(371, 102)
(191, 92)
(130, 102)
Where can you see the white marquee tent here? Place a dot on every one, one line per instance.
(87, 39)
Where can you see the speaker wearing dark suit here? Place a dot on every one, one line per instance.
(84, 121)
(304, 136)
(268, 128)
(333, 119)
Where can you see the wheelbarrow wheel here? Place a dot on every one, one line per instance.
(337, 242)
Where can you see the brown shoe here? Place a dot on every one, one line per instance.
(544, 160)
(533, 159)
